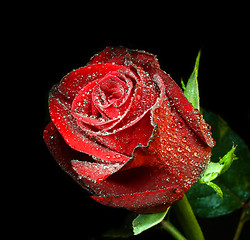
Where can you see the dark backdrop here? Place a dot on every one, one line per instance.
(55, 41)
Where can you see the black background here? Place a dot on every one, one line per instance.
(51, 41)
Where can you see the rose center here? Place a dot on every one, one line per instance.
(106, 99)
(109, 92)
(108, 96)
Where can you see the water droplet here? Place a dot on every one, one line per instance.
(180, 124)
(173, 127)
(168, 148)
(195, 154)
(179, 149)
(184, 139)
(79, 177)
(117, 156)
(182, 160)
(187, 148)
(179, 174)
(177, 190)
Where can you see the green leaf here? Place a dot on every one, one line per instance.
(216, 188)
(145, 221)
(235, 183)
(191, 90)
(215, 169)
(183, 84)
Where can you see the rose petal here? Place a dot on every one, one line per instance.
(126, 140)
(96, 172)
(144, 60)
(127, 133)
(143, 202)
(84, 104)
(83, 167)
(60, 111)
(118, 55)
(135, 180)
(73, 82)
(62, 153)
(112, 95)
(185, 108)
(147, 93)
(176, 147)
(113, 55)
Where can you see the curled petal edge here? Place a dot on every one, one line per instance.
(143, 202)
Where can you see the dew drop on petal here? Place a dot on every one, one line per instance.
(177, 190)
(184, 139)
(187, 148)
(180, 124)
(117, 156)
(168, 148)
(179, 149)
(182, 160)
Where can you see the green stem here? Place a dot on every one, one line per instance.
(241, 222)
(238, 230)
(188, 220)
(172, 230)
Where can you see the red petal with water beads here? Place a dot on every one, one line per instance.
(96, 104)
(185, 109)
(73, 82)
(173, 161)
(114, 111)
(65, 122)
(96, 172)
(119, 56)
(113, 55)
(84, 165)
(141, 202)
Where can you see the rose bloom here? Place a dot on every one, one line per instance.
(122, 128)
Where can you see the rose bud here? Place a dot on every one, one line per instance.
(122, 128)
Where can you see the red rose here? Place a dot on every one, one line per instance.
(122, 128)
